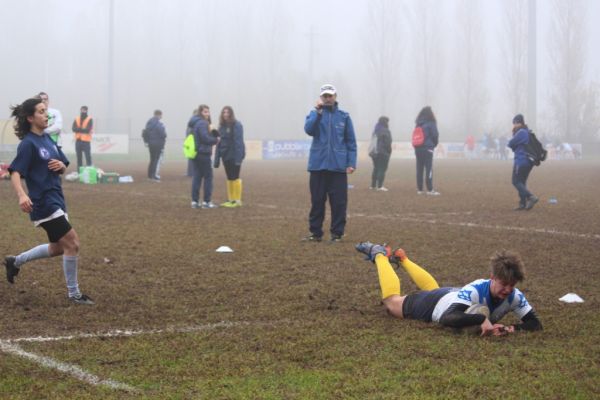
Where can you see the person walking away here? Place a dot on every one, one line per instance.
(381, 153)
(424, 153)
(40, 162)
(155, 137)
(55, 120)
(522, 165)
(232, 150)
(83, 127)
(204, 139)
(332, 157)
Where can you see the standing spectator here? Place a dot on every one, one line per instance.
(470, 147)
(41, 162)
(189, 131)
(424, 153)
(502, 143)
(332, 157)
(381, 153)
(154, 137)
(232, 150)
(205, 137)
(522, 164)
(55, 120)
(83, 127)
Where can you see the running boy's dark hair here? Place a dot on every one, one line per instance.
(20, 112)
(426, 114)
(507, 267)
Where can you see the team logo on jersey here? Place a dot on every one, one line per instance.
(522, 300)
(465, 295)
(44, 153)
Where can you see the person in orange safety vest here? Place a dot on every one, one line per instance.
(83, 127)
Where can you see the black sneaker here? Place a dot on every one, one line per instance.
(520, 208)
(335, 238)
(11, 269)
(312, 238)
(531, 202)
(82, 299)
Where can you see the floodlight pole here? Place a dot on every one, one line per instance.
(110, 84)
(531, 116)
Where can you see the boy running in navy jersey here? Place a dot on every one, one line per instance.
(41, 162)
(483, 302)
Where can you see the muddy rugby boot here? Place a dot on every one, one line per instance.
(312, 238)
(11, 269)
(397, 256)
(82, 299)
(531, 202)
(370, 250)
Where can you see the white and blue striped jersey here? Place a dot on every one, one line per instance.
(478, 292)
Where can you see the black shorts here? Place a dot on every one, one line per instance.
(420, 305)
(56, 228)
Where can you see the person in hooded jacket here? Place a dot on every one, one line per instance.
(155, 137)
(522, 164)
(381, 154)
(424, 153)
(231, 150)
(205, 137)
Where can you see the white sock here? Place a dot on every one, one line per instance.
(41, 251)
(70, 270)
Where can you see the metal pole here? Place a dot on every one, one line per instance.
(110, 126)
(531, 116)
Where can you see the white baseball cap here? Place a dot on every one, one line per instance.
(328, 89)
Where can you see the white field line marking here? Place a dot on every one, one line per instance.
(9, 346)
(128, 332)
(486, 226)
(72, 370)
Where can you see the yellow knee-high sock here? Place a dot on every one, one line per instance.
(238, 190)
(420, 277)
(230, 191)
(388, 280)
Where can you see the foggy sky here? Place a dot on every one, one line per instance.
(265, 58)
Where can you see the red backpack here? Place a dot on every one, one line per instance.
(418, 137)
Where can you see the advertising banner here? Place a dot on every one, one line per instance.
(101, 143)
(285, 149)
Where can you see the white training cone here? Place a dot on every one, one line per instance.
(224, 249)
(571, 298)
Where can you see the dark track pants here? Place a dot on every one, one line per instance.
(380, 166)
(519, 181)
(154, 157)
(203, 170)
(324, 184)
(424, 162)
(82, 148)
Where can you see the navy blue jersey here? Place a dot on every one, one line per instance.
(44, 186)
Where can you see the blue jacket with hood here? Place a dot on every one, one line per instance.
(431, 134)
(203, 139)
(517, 144)
(333, 145)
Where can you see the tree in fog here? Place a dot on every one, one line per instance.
(427, 55)
(567, 64)
(590, 113)
(472, 94)
(384, 45)
(514, 54)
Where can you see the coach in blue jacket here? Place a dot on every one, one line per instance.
(522, 165)
(332, 157)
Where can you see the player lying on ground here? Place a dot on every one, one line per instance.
(482, 302)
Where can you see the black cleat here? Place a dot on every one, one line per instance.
(82, 299)
(312, 238)
(11, 269)
(531, 202)
(335, 238)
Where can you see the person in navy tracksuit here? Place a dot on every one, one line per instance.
(205, 137)
(332, 157)
(522, 163)
(424, 153)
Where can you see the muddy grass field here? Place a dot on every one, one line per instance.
(279, 318)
